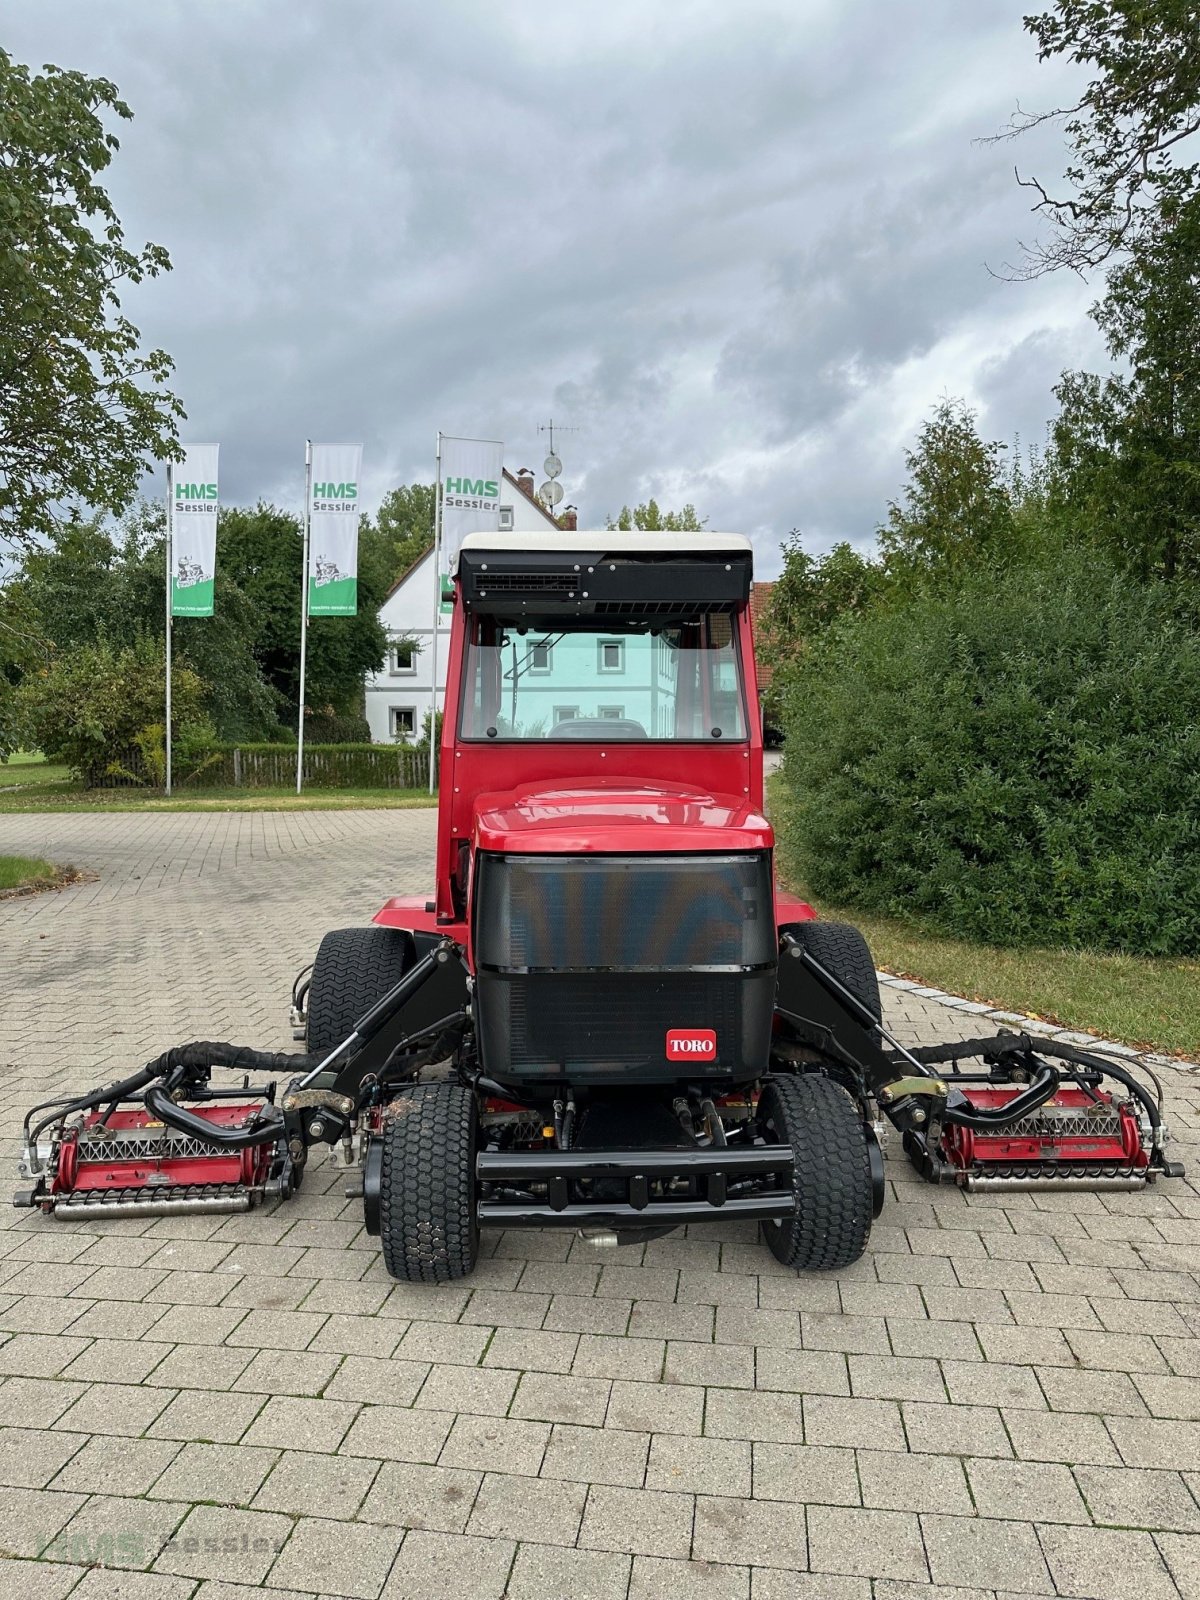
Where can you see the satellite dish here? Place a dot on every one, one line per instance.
(552, 465)
(551, 493)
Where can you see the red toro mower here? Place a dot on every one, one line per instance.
(608, 1017)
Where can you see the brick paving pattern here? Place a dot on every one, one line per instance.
(1001, 1399)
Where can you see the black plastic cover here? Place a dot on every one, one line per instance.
(509, 581)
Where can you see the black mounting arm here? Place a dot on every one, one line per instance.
(827, 1016)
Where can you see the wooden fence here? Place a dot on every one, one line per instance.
(272, 766)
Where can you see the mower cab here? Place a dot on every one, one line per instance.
(608, 1016)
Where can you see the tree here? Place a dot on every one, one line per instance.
(956, 505)
(1128, 446)
(402, 529)
(81, 405)
(811, 594)
(650, 518)
(1126, 131)
(94, 705)
(85, 586)
(261, 551)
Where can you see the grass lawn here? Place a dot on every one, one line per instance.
(30, 769)
(25, 872)
(28, 782)
(1150, 1003)
(37, 797)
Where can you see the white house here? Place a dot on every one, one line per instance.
(398, 697)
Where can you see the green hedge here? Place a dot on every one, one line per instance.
(1016, 762)
(332, 728)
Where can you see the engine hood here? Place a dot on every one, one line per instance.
(617, 818)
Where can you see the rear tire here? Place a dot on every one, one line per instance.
(427, 1221)
(842, 949)
(832, 1178)
(354, 968)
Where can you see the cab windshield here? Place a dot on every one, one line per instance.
(549, 678)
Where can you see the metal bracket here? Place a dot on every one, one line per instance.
(935, 1088)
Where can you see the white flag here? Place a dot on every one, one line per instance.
(333, 530)
(194, 502)
(472, 475)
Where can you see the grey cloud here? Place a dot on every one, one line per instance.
(737, 248)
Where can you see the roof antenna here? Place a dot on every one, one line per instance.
(551, 492)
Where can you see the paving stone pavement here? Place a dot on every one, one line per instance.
(1002, 1398)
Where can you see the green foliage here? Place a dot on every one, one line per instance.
(10, 720)
(81, 405)
(97, 701)
(82, 586)
(956, 505)
(1129, 133)
(1014, 759)
(333, 729)
(1128, 447)
(401, 530)
(650, 518)
(811, 594)
(261, 551)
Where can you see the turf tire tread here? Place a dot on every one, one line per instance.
(832, 1177)
(427, 1194)
(842, 948)
(354, 968)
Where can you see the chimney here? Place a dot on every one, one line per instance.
(525, 482)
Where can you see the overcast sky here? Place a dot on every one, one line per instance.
(740, 247)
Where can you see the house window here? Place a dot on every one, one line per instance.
(611, 711)
(539, 656)
(612, 655)
(506, 519)
(403, 721)
(403, 658)
(565, 713)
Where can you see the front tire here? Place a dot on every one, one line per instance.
(427, 1222)
(832, 1179)
(355, 967)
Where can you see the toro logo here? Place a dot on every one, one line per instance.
(691, 1044)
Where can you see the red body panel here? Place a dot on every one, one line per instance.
(969, 1149)
(574, 797)
(607, 815)
(96, 1165)
(410, 911)
(790, 908)
(472, 769)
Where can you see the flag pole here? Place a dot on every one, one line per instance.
(437, 605)
(304, 612)
(170, 564)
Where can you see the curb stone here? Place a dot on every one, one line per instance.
(1048, 1030)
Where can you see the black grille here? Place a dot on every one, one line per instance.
(649, 608)
(635, 913)
(583, 963)
(614, 1023)
(528, 582)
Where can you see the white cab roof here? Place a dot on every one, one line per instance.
(615, 544)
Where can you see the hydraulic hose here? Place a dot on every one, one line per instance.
(183, 1059)
(1022, 1044)
(123, 1089)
